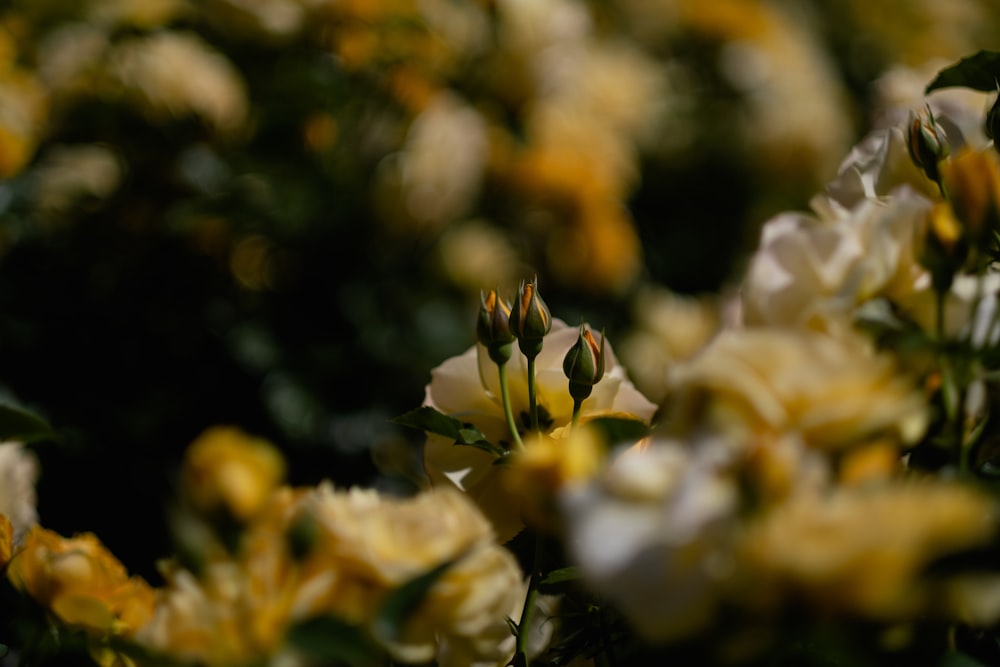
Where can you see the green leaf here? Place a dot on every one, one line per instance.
(335, 641)
(561, 575)
(486, 446)
(620, 429)
(555, 580)
(399, 605)
(23, 426)
(430, 420)
(979, 72)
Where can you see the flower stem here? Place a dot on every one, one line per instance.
(577, 404)
(939, 302)
(607, 645)
(532, 401)
(507, 411)
(524, 625)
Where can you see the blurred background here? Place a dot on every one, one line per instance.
(279, 214)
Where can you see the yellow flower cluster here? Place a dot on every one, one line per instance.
(785, 472)
(556, 105)
(316, 552)
(300, 554)
(81, 582)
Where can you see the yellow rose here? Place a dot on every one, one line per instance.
(862, 550)
(386, 542)
(203, 619)
(467, 387)
(834, 392)
(546, 466)
(668, 328)
(226, 469)
(23, 117)
(465, 611)
(237, 610)
(392, 540)
(81, 582)
(288, 577)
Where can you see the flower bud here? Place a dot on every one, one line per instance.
(493, 326)
(584, 364)
(927, 142)
(530, 320)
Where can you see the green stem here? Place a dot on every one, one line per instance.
(532, 402)
(577, 404)
(994, 320)
(524, 625)
(607, 645)
(939, 302)
(977, 302)
(964, 450)
(507, 411)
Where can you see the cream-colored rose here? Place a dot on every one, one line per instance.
(876, 166)
(467, 387)
(588, 104)
(203, 619)
(438, 173)
(668, 328)
(69, 175)
(834, 392)
(651, 534)
(466, 611)
(969, 308)
(959, 110)
(239, 607)
(862, 550)
(813, 271)
(18, 474)
(388, 542)
(69, 59)
(477, 253)
(394, 540)
(169, 75)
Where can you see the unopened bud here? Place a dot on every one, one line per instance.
(493, 326)
(584, 364)
(927, 142)
(530, 318)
